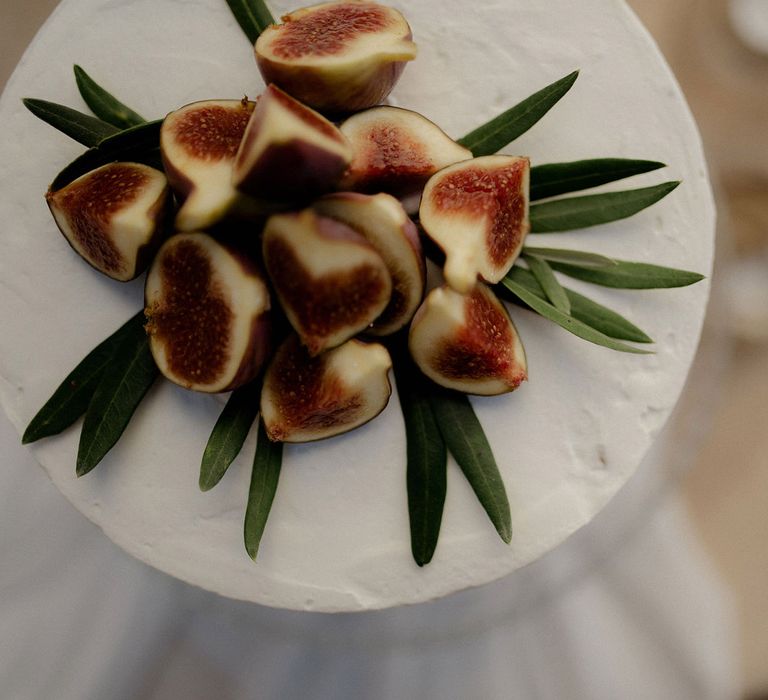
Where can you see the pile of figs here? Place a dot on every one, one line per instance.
(284, 236)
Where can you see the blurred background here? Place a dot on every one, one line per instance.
(718, 50)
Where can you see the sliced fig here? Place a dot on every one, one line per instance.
(337, 56)
(382, 221)
(396, 150)
(331, 282)
(289, 151)
(207, 310)
(477, 212)
(198, 143)
(114, 217)
(467, 342)
(308, 398)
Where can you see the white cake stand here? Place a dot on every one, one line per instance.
(337, 539)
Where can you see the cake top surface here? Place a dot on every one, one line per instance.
(338, 536)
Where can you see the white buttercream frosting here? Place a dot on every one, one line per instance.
(337, 537)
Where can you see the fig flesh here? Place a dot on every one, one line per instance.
(467, 342)
(114, 217)
(289, 151)
(477, 212)
(198, 143)
(396, 151)
(307, 398)
(383, 222)
(208, 317)
(332, 284)
(336, 57)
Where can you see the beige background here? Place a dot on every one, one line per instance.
(727, 488)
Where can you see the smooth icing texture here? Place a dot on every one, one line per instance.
(337, 538)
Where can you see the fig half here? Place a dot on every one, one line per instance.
(207, 310)
(198, 143)
(477, 212)
(382, 221)
(308, 398)
(114, 217)
(331, 282)
(336, 56)
(289, 151)
(467, 342)
(396, 151)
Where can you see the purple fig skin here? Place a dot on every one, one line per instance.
(86, 205)
(330, 30)
(290, 168)
(335, 396)
(331, 282)
(205, 301)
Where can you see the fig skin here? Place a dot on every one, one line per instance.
(396, 151)
(467, 342)
(348, 67)
(306, 398)
(331, 282)
(477, 212)
(289, 151)
(208, 314)
(383, 222)
(198, 145)
(115, 217)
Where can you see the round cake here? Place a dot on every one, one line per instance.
(337, 538)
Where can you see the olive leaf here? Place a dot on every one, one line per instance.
(549, 283)
(139, 144)
(130, 372)
(83, 128)
(426, 465)
(466, 441)
(576, 257)
(631, 275)
(104, 105)
(552, 179)
(509, 125)
(229, 434)
(589, 312)
(264, 478)
(71, 398)
(253, 16)
(569, 322)
(571, 213)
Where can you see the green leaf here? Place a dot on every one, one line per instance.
(253, 16)
(590, 210)
(631, 275)
(83, 128)
(127, 378)
(576, 257)
(71, 398)
(583, 309)
(229, 434)
(546, 278)
(426, 459)
(570, 323)
(553, 179)
(505, 128)
(261, 494)
(139, 144)
(105, 106)
(469, 446)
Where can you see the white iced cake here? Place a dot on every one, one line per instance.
(337, 537)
